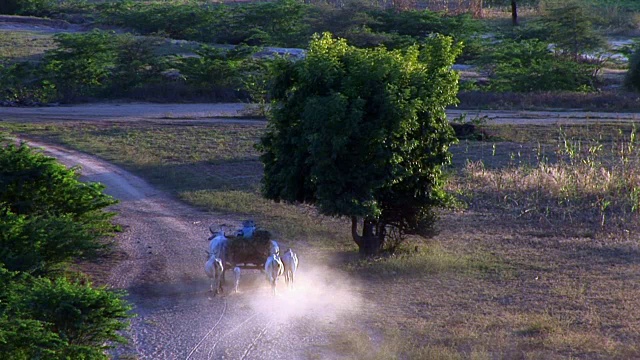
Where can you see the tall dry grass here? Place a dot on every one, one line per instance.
(593, 183)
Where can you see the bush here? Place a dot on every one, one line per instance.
(278, 23)
(81, 65)
(33, 184)
(40, 245)
(632, 78)
(59, 319)
(528, 66)
(47, 216)
(93, 64)
(571, 29)
(23, 83)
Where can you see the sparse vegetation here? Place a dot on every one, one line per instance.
(101, 64)
(575, 178)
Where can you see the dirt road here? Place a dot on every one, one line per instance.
(161, 267)
(239, 112)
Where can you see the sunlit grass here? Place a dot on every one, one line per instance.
(24, 45)
(298, 223)
(429, 260)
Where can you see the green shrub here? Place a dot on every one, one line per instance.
(59, 319)
(365, 25)
(287, 23)
(278, 23)
(84, 65)
(48, 217)
(190, 20)
(570, 28)
(32, 183)
(23, 83)
(40, 245)
(528, 66)
(223, 70)
(136, 64)
(632, 78)
(81, 65)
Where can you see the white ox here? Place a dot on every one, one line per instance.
(274, 248)
(274, 268)
(214, 269)
(290, 262)
(218, 242)
(218, 245)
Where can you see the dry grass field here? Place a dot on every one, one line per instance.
(539, 261)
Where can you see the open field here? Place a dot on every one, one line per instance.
(542, 261)
(539, 260)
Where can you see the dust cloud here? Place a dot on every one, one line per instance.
(320, 294)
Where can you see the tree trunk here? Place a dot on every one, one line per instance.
(371, 240)
(354, 232)
(514, 13)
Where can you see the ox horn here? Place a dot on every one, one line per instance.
(211, 227)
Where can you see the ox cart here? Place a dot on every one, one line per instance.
(247, 248)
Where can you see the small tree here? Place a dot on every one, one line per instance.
(529, 65)
(81, 65)
(570, 28)
(363, 133)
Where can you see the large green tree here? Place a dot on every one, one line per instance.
(363, 133)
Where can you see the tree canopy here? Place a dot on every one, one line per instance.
(363, 133)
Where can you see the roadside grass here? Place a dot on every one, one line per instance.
(24, 45)
(430, 259)
(527, 270)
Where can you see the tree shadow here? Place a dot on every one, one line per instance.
(599, 254)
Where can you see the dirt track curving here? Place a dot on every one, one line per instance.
(161, 260)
